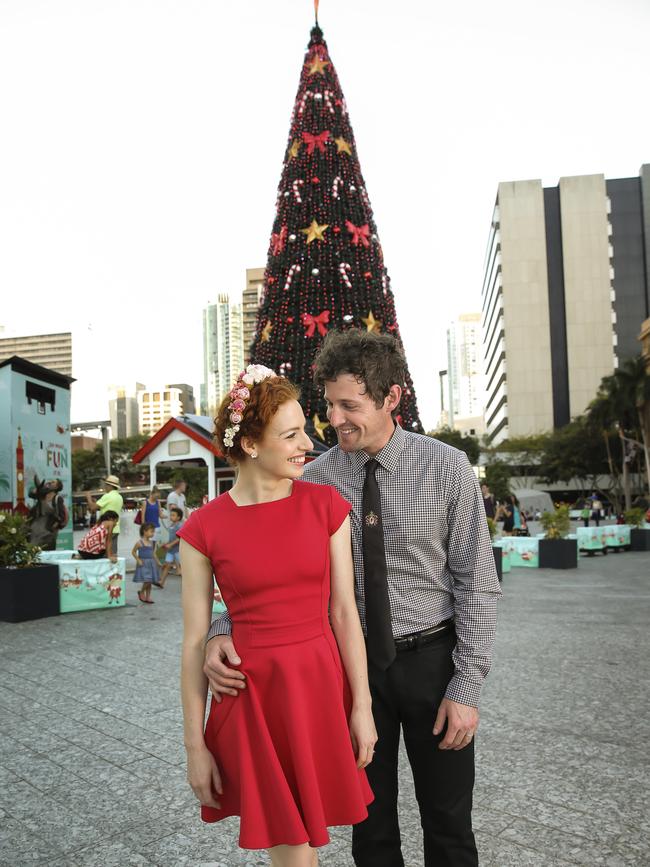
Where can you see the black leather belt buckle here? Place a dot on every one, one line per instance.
(412, 642)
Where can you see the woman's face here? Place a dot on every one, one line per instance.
(281, 451)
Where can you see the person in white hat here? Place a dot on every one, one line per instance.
(110, 501)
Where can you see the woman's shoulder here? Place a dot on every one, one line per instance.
(211, 509)
(314, 490)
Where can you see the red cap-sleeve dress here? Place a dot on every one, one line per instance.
(282, 745)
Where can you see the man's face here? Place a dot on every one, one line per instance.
(359, 424)
(181, 487)
(486, 490)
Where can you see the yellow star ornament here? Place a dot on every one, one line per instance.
(342, 146)
(317, 66)
(315, 231)
(320, 426)
(372, 324)
(266, 332)
(294, 149)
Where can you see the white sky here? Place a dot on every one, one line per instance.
(141, 144)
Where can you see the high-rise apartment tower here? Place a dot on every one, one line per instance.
(565, 291)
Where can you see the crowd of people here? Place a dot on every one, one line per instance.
(508, 512)
(154, 520)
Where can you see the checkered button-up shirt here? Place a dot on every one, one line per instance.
(438, 552)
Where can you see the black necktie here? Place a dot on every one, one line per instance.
(381, 646)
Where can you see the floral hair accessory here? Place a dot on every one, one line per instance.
(239, 394)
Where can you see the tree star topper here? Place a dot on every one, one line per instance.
(294, 150)
(317, 66)
(315, 231)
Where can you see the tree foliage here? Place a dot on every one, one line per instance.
(468, 444)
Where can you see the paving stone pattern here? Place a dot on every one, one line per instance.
(92, 764)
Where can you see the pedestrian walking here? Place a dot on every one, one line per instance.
(488, 501)
(288, 755)
(111, 500)
(171, 547)
(151, 512)
(426, 588)
(585, 514)
(596, 509)
(147, 570)
(98, 541)
(177, 498)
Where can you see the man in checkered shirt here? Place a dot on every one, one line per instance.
(442, 589)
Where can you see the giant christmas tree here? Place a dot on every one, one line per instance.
(325, 267)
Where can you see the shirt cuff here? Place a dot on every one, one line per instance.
(220, 626)
(463, 690)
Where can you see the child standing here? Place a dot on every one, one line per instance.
(148, 565)
(172, 556)
(98, 541)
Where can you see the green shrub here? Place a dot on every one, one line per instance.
(15, 548)
(556, 524)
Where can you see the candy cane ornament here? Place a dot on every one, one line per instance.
(328, 100)
(295, 269)
(335, 186)
(296, 192)
(344, 269)
(306, 95)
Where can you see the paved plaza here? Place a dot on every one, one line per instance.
(91, 754)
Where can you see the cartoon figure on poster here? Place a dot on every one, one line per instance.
(48, 515)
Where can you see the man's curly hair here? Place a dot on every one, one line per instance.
(376, 360)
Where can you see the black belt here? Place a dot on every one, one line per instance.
(427, 636)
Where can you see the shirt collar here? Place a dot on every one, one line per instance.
(388, 457)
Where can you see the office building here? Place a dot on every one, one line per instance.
(123, 409)
(157, 405)
(251, 298)
(223, 351)
(565, 291)
(53, 351)
(465, 379)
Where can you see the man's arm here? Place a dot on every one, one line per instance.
(92, 504)
(475, 585)
(221, 626)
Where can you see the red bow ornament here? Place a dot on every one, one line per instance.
(313, 322)
(359, 234)
(316, 141)
(278, 240)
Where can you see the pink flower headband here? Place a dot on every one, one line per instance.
(239, 394)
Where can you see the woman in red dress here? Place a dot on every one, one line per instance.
(286, 754)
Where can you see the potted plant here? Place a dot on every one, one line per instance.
(556, 551)
(28, 589)
(639, 535)
(498, 553)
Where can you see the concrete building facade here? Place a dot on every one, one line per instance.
(465, 378)
(223, 351)
(53, 351)
(564, 293)
(251, 298)
(156, 405)
(123, 409)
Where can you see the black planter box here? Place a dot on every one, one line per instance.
(498, 561)
(558, 553)
(639, 539)
(27, 594)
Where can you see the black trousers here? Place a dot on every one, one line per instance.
(407, 696)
